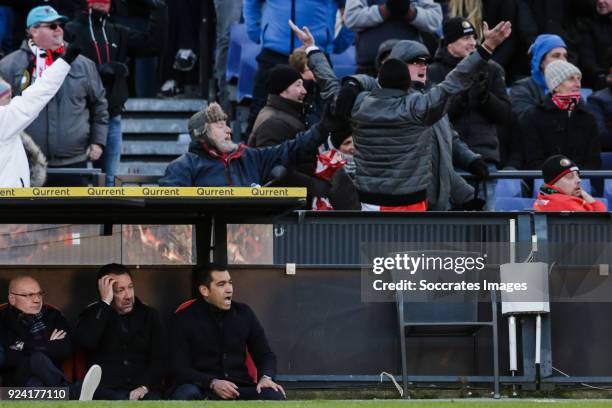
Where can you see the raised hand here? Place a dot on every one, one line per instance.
(496, 36)
(105, 288)
(304, 35)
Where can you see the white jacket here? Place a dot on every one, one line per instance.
(17, 115)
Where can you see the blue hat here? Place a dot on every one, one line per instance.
(542, 45)
(44, 14)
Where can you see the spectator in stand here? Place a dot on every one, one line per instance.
(491, 11)
(109, 45)
(561, 124)
(283, 117)
(36, 338)
(561, 190)
(595, 43)
(557, 17)
(447, 189)
(21, 8)
(227, 12)
(476, 112)
(393, 126)
(209, 344)
(214, 160)
(16, 114)
(72, 128)
(600, 105)
(268, 26)
(531, 91)
(125, 337)
(378, 20)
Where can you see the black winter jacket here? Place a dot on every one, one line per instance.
(124, 42)
(13, 331)
(208, 343)
(475, 116)
(548, 130)
(131, 349)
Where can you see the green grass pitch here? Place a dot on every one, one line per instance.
(531, 403)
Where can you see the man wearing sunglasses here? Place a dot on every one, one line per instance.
(36, 339)
(72, 128)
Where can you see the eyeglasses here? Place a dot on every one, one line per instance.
(52, 26)
(30, 296)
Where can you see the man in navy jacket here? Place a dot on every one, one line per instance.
(210, 338)
(214, 160)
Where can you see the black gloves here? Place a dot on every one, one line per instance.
(334, 124)
(71, 52)
(346, 98)
(478, 167)
(398, 8)
(113, 69)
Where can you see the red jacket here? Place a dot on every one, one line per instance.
(564, 202)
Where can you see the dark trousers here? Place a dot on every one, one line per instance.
(119, 394)
(37, 370)
(188, 392)
(266, 61)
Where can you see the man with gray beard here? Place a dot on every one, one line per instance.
(214, 160)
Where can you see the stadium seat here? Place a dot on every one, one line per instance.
(508, 188)
(238, 37)
(246, 74)
(606, 160)
(608, 190)
(537, 183)
(585, 93)
(513, 204)
(344, 64)
(250, 364)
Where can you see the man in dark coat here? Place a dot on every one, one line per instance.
(36, 339)
(283, 116)
(125, 337)
(210, 339)
(595, 44)
(476, 112)
(214, 160)
(561, 124)
(109, 45)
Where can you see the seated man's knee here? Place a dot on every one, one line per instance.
(186, 392)
(40, 361)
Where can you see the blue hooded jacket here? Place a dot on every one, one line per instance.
(542, 46)
(266, 22)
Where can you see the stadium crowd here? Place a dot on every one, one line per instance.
(440, 87)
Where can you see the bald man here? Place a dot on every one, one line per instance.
(36, 340)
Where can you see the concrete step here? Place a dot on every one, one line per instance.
(142, 168)
(152, 125)
(164, 105)
(154, 148)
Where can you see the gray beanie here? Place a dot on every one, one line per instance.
(558, 71)
(197, 123)
(406, 51)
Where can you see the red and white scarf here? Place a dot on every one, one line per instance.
(44, 59)
(567, 101)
